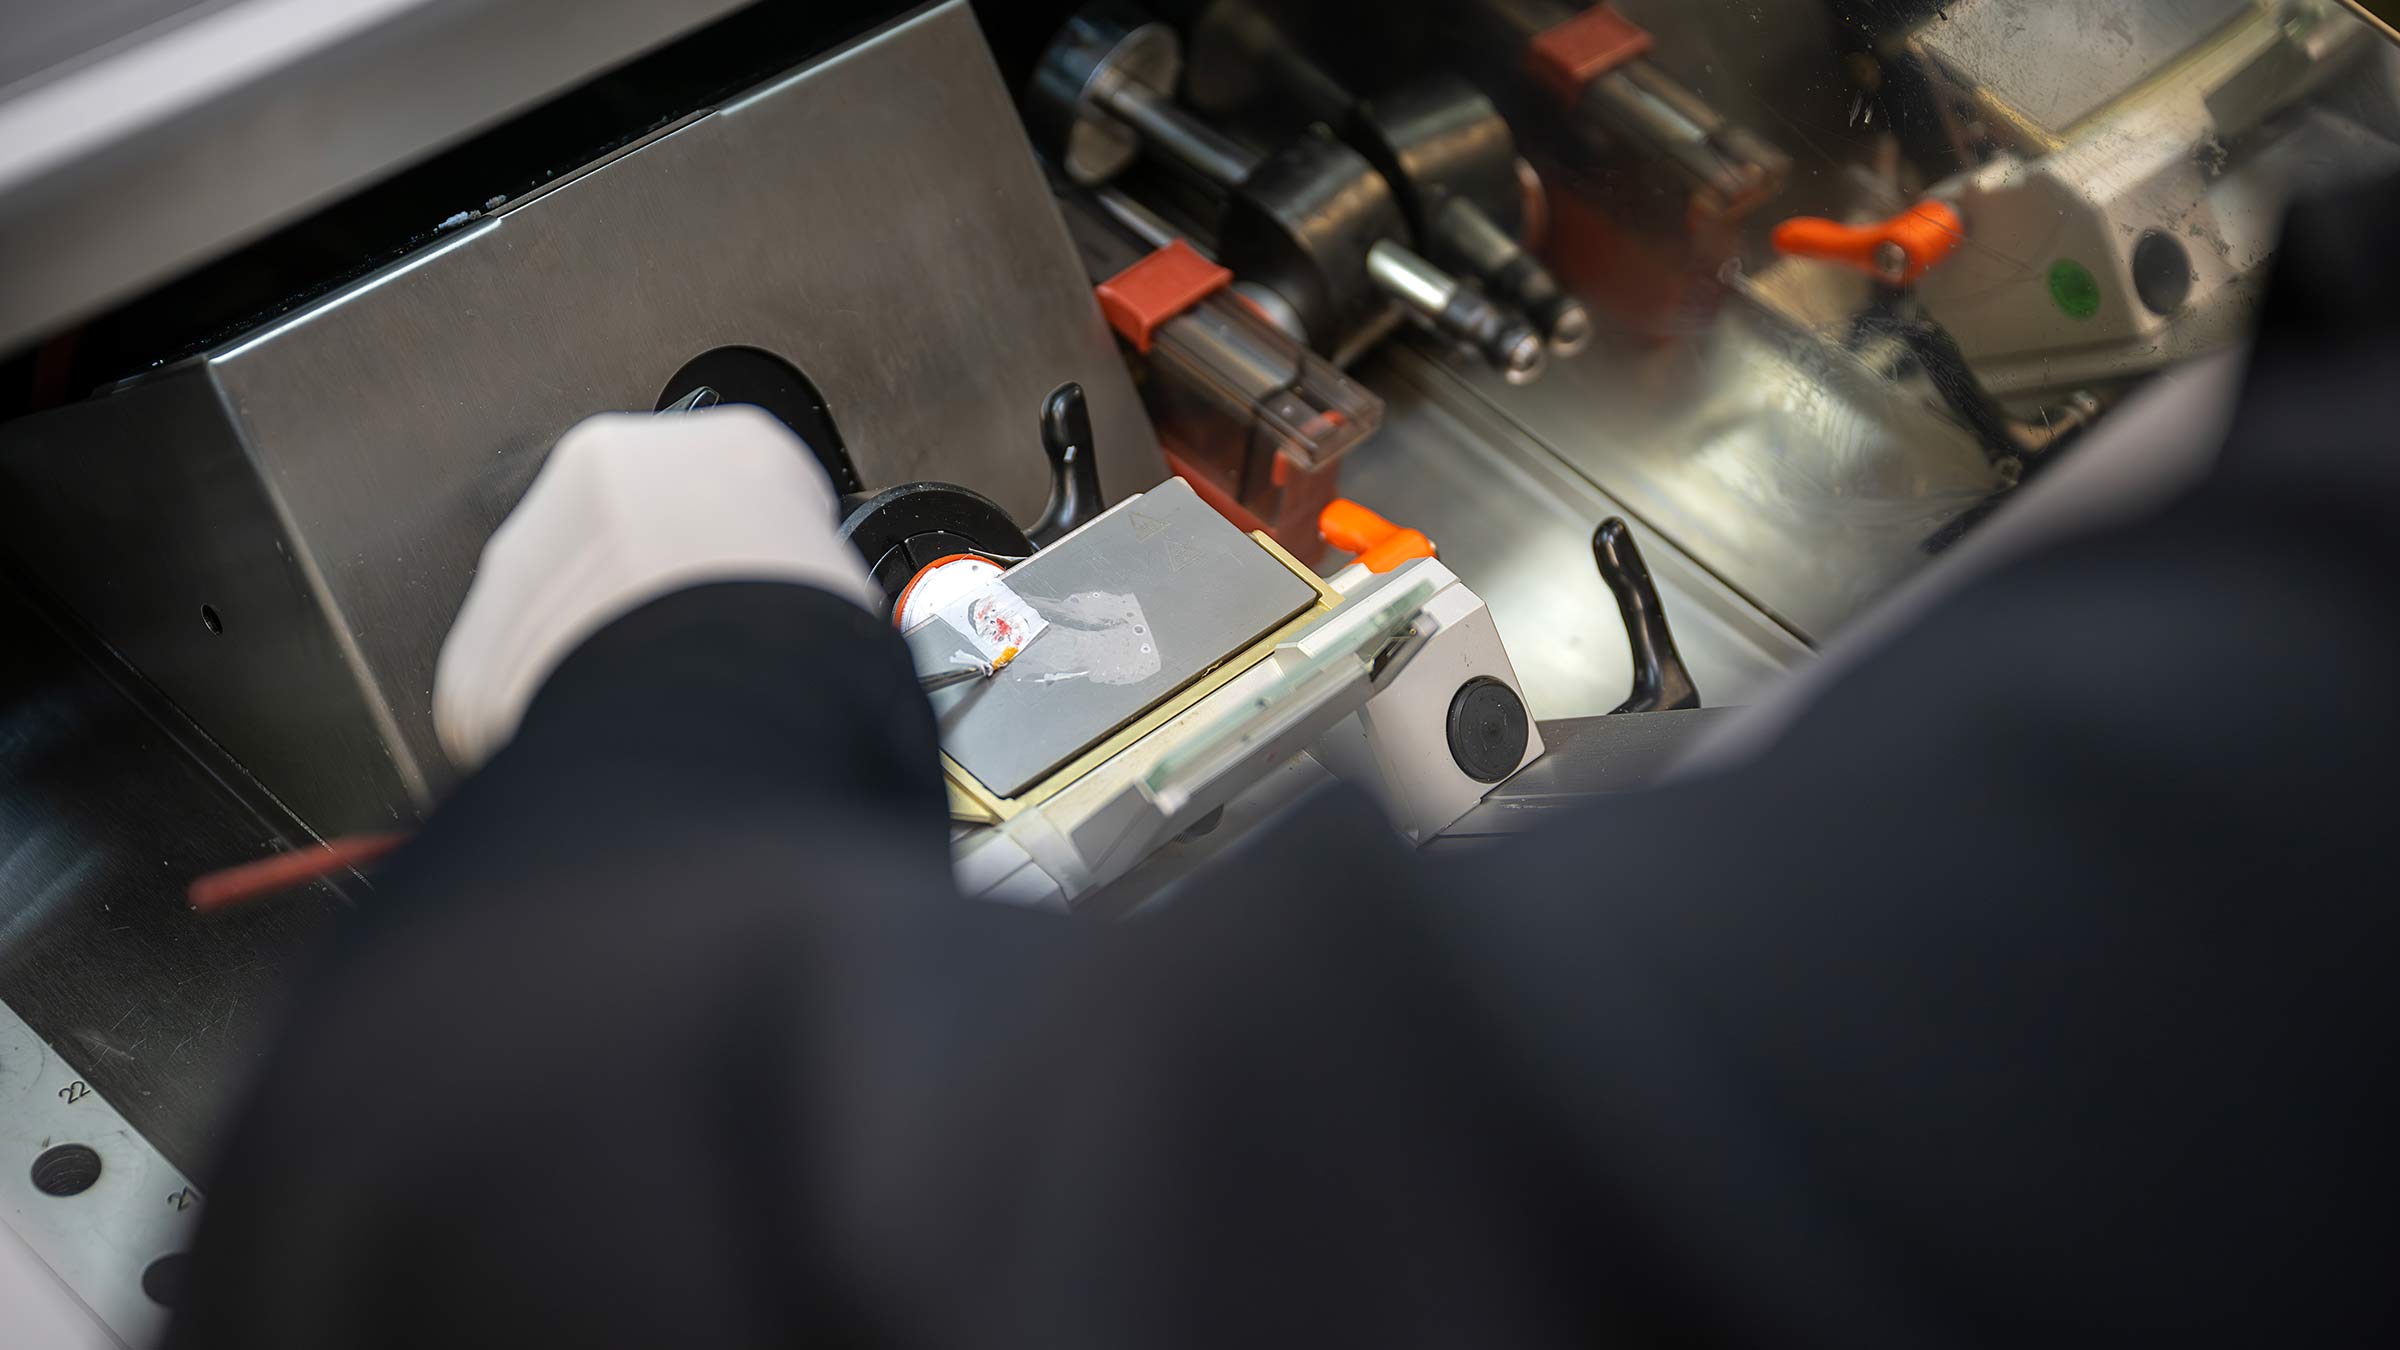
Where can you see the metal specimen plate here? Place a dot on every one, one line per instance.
(1141, 602)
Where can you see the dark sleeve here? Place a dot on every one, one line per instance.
(2035, 986)
(552, 1084)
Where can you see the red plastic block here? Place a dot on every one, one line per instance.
(1597, 41)
(1156, 289)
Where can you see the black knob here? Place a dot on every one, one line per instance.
(1488, 729)
(1074, 466)
(1660, 682)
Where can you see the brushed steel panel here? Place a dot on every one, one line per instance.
(139, 138)
(139, 510)
(876, 218)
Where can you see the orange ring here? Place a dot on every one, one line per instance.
(900, 602)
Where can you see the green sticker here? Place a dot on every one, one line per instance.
(2075, 289)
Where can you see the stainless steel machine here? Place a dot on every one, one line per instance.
(1385, 393)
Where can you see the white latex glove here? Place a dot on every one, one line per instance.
(628, 508)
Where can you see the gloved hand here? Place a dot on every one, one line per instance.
(628, 508)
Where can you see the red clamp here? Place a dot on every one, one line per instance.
(1567, 56)
(1156, 289)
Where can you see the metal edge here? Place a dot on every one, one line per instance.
(2372, 20)
(739, 103)
(132, 158)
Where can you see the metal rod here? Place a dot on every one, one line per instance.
(1145, 223)
(1457, 311)
(1174, 132)
(1641, 102)
(943, 679)
(1411, 280)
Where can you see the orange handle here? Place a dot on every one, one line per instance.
(1379, 544)
(1896, 250)
(281, 871)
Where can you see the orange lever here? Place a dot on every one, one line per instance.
(1896, 250)
(1379, 544)
(281, 871)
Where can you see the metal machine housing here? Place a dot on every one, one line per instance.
(279, 531)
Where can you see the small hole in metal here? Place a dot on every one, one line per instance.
(2162, 273)
(210, 617)
(163, 1279)
(68, 1169)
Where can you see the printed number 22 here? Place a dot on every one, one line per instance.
(74, 1092)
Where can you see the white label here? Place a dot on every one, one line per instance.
(995, 619)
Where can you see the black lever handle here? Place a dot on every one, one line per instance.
(1074, 467)
(1660, 681)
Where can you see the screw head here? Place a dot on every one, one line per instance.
(1571, 332)
(1522, 356)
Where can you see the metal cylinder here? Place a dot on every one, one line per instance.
(1410, 279)
(1438, 140)
(1100, 45)
(1501, 336)
(1315, 223)
(1458, 311)
(1171, 131)
(1452, 160)
(1463, 234)
(1302, 224)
